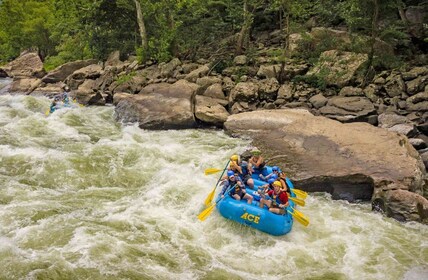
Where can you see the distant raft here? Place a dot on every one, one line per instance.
(254, 216)
(61, 105)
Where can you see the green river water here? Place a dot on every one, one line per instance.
(84, 197)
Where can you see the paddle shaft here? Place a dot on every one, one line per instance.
(211, 194)
(205, 213)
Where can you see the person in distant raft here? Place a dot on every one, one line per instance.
(52, 108)
(256, 161)
(277, 200)
(65, 98)
(238, 189)
(241, 168)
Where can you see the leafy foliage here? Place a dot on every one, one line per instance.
(66, 30)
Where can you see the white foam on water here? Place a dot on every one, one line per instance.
(122, 202)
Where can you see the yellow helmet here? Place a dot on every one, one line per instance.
(277, 183)
(234, 158)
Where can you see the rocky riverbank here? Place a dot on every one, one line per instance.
(357, 143)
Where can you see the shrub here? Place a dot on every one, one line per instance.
(125, 78)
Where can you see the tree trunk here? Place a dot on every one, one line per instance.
(171, 26)
(142, 27)
(243, 34)
(402, 12)
(372, 40)
(281, 74)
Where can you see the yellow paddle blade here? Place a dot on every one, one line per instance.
(209, 198)
(47, 112)
(299, 193)
(204, 214)
(301, 219)
(298, 201)
(210, 171)
(298, 213)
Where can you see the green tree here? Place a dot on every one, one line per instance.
(25, 25)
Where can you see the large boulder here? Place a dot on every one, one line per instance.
(354, 161)
(24, 85)
(246, 92)
(62, 72)
(338, 68)
(348, 109)
(160, 106)
(27, 65)
(211, 110)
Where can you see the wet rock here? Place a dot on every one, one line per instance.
(160, 106)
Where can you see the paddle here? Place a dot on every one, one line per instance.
(210, 196)
(298, 213)
(296, 200)
(204, 214)
(210, 171)
(297, 192)
(301, 219)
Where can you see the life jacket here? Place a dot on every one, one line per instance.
(244, 168)
(52, 108)
(275, 198)
(237, 189)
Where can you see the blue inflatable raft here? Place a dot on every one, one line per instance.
(254, 216)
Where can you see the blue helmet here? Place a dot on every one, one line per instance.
(275, 168)
(274, 176)
(230, 173)
(271, 180)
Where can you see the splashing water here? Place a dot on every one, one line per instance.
(83, 197)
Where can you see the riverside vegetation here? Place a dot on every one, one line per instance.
(359, 68)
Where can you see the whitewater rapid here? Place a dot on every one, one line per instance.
(85, 197)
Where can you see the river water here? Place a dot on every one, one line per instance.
(84, 197)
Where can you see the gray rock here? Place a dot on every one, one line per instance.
(62, 72)
(406, 129)
(246, 92)
(286, 92)
(160, 106)
(240, 60)
(395, 85)
(27, 65)
(387, 120)
(210, 110)
(318, 101)
(417, 85)
(214, 91)
(418, 143)
(197, 73)
(351, 91)
(268, 89)
(340, 67)
(348, 109)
